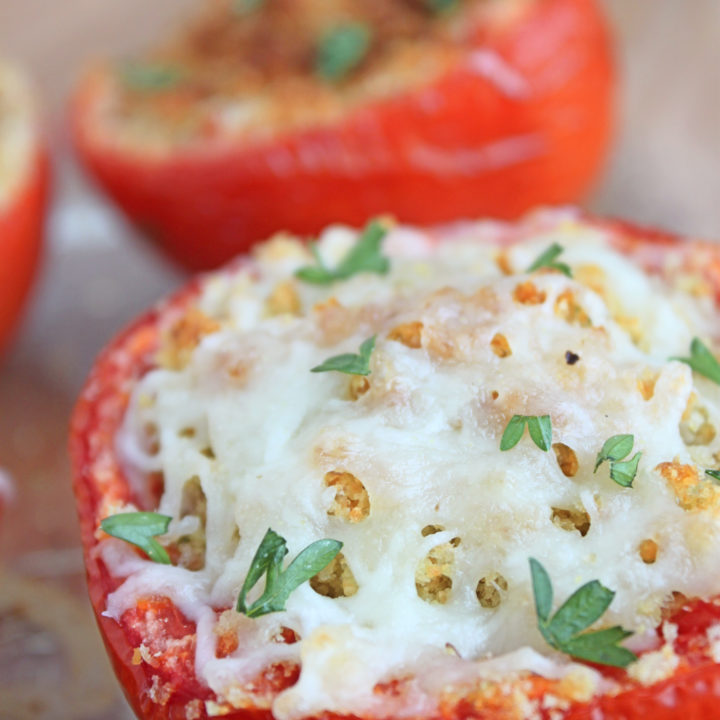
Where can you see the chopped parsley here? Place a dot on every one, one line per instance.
(548, 259)
(149, 77)
(623, 473)
(341, 50)
(365, 256)
(702, 361)
(565, 630)
(715, 475)
(441, 6)
(539, 427)
(279, 583)
(350, 363)
(614, 450)
(140, 529)
(241, 8)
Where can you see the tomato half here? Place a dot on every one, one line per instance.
(521, 118)
(22, 213)
(163, 684)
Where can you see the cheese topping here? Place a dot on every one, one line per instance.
(433, 589)
(17, 131)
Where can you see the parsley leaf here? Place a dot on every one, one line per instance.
(241, 8)
(279, 583)
(316, 274)
(702, 361)
(602, 647)
(513, 432)
(564, 631)
(615, 449)
(150, 77)
(623, 473)
(547, 260)
(542, 590)
(140, 529)
(365, 256)
(350, 363)
(715, 475)
(441, 6)
(341, 50)
(539, 427)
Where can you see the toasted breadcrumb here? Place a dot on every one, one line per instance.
(684, 481)
(500, 346)
(335, 580)
(226, 631)
(283, 300)
(652, 667)
(183, 337)
(351, 502)
(432, 579)
(648, 550)
(527, 293)
(646, 384)
(568, 308)
(566, 459)
(409, 334)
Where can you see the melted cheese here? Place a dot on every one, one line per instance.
(17, 131)
(423, 441)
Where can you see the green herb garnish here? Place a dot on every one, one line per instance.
(241, 8)
(140, 529)
(564, 631)
(150, 77)
(623, 473)
(365, 256)
(350, 363)
(702, 361)
(547, 260)
(341, 50)
(539, 427)
(279, 583)
(614, 450)
(441, 6)
(715, 475)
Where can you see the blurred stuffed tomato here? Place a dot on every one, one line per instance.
(290, 114)
(23, 190)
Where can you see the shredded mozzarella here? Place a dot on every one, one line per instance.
(242, 414)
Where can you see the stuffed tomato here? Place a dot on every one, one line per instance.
(436, 473)
(287, 115)
(23, 190)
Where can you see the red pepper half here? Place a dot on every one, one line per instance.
(521, 118)
(162, 685)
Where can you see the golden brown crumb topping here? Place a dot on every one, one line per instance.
(183, 337)
(256, 67)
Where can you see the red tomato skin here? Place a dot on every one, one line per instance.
(692, 693)
(525, 120)
(22, 224)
